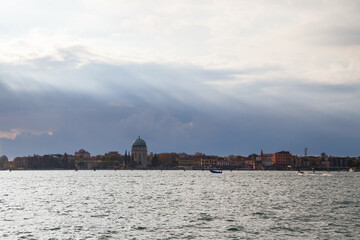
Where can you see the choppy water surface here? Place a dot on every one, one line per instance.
(179, 205)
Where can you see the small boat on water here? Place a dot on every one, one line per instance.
(216, 171)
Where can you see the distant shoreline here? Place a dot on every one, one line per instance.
(207, 169)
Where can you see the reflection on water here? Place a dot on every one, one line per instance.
(179, 205)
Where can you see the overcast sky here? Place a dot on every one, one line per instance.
(218, 77)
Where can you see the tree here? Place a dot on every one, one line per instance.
(357, 164)
(132, 162)
(155, 161)
(252, 156)
(128, 160)
(64, 161)
(4, 159)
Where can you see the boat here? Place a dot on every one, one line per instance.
(216, 171)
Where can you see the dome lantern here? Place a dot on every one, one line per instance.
(139, 143)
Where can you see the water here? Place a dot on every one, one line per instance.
(179, 205)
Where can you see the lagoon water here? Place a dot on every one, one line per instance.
(179, 205)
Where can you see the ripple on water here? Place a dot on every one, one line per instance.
(179, 205)
(205, 217)
(236, 229)
(139, 228)
(52, 229)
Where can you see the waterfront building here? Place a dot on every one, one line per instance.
(341, 162)
(222, 162)
(183, 160)
(82, 159)
(238, 161)
(69, 161)
(167, 160)
(249, 163)
(196, 159)
(113, 153)
(209, 161)
(191, 160)
(266, 159)
(139, 153)
(282, 158)
(19, 163)
(82, 154)
(49, 161)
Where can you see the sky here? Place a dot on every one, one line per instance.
(217, 77)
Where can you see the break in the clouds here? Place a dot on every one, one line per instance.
(217, 77)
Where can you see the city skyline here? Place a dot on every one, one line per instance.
(151, 153)
(229, 77)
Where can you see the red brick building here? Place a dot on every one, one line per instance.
(282, 158)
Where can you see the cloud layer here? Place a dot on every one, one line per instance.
(102, 107)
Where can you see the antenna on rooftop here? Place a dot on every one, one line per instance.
(305, 151)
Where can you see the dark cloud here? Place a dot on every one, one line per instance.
(172, 107)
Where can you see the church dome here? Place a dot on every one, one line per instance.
(139, 143)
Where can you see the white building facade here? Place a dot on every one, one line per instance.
(139, 153)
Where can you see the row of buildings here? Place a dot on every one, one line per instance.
(140, 159)
(82, 159)
(282, 160)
